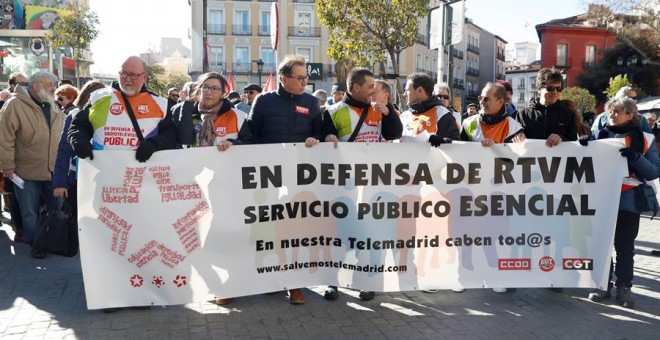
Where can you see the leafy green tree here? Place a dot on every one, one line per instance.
(176, 80)
(77, 31)
(363, 32)
(155, 79)
(584, 100)
(616, 83)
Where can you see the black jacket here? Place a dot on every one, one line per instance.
(541, 121)
(282, 117)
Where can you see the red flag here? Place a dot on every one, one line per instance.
(270, 84)
(230, 83)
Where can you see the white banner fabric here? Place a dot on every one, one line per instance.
(195, 224)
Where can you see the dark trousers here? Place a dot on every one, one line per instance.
(14, 208)
(627, 228)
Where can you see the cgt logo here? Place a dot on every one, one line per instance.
(514, 264)
(578, 264)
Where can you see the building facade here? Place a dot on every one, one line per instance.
(571, 43)
(23, 47)
(523, 82)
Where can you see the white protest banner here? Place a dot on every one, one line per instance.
(191, 225)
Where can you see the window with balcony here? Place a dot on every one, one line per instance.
(242, 60)
(562, 55)
(216, 22)
(304, 23)
(521, 84)
(532, 83)
(216, 58)
(264, 23)
(590, 54)
(267, 55)
(241, 23)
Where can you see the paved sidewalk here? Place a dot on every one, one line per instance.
(45, 299)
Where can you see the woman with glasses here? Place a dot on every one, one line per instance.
(442, 92)
(65, 95)
(643, 166)
(221, 125)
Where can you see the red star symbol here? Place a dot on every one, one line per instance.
(158, 281)
(180, 281)
(136, 280)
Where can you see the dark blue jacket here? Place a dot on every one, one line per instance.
(282, 117)
(64, 175)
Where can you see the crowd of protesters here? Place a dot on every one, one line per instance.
(44, 130)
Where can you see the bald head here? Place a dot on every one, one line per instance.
(132, 76)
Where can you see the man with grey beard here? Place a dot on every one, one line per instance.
(110, 109)
(30, 126)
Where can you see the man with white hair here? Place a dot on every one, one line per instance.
(30, 126)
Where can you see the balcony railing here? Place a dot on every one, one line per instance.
(471, 71)
(241, 67)
(457, 53)
(473, 48)
(521, 86)
(216, 29)
(304, 31)
(241, 30)
(264, 30)
(588, 62)
(500, 56)
(217, 67)
(458, 83)
(269, 68)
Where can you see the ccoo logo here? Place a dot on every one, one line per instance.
(547, 263)
(514, 264)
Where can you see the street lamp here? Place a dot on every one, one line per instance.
(260, 68)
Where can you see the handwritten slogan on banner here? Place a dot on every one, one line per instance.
(191, 225)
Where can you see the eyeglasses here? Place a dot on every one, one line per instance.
(211, 89)
(59, 99)
(553, 88)
(249, 92)
(300, 79)
(133, 76)
(485, 99)
(23, 84)
(174, 95)
(443, 96)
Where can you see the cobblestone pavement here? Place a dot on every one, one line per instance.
(45, 299)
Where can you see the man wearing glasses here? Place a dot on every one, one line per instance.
(288, 115)
(546, 117)
(250, 92)
(106, 120)
(30, 123)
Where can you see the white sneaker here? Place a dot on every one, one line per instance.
(431, 291)
(499, 290)
(458, 289)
